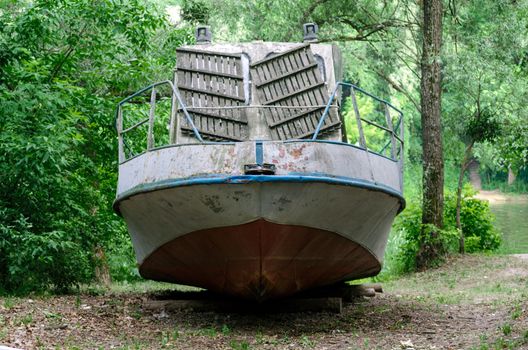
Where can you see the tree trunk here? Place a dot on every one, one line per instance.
(102, 271)
(474, 175)
(511, 176)
(463, 166)
(433, 162)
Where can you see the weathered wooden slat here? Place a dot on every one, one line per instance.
(214, 115)
(292, 78)
(207, 134)
(295, 93)
(323, 129)
(207, 92)
(279, 55)
(210, 72)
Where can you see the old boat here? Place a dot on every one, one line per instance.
(240, 177)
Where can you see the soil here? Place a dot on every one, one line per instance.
(471, 302)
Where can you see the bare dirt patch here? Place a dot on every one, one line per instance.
(475, 302)
(497, 196)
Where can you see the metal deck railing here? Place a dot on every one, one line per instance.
(393, 129)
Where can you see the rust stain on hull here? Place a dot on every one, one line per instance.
(259, 260)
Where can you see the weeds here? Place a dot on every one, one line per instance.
(306, 342)
(239, 345)
(25, 320)
(208, 332)
(9, 303)
(517, 312)
(226, 330)
(506, 329)
(3, 333)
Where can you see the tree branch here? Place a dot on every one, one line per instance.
(358, 37)
(71, 48)
(399, 88)
(310, 10)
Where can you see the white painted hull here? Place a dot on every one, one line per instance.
(322, 192)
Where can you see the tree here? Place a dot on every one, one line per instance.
(481, 127)
(484, 85)
(433, 162)
(63, 67)
(486, 65)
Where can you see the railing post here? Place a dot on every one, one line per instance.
(150, 135)
(389, 125)
(174, 120)
(362, 141)
(326, 111)
(121, 151)
(401, 135)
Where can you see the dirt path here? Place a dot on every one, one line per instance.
(473, 302)
(497, 196)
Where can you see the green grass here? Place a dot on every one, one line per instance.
(145, 286)
(510, 220)
(482, 277)
(239, 345)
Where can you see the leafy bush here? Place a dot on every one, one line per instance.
(122, 261)
(477, 225)
(414, 235)
(476, 220)
(48, 260)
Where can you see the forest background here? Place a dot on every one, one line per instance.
(65, 64)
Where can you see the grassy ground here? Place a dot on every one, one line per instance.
(472, 302)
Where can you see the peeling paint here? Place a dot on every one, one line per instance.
(297, 152)
(189, 161)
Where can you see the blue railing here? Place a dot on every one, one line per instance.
(176, 99)
(395, 131)
(359, 120)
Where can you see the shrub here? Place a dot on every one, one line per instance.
(414, 235)
(476, 220)
(477, 225)
(121, 259)
(35, 262)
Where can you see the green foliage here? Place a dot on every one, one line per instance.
(482, 126)
(64, 64)
(32, 261)
(196, 11)
(485, 82)
(409, 232)
(476, 220)
(121, 258)
(417, 235)
(376, 139)
(512, 150)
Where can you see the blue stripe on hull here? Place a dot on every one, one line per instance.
(246, 179)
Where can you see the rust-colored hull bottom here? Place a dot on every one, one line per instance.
(259, 260)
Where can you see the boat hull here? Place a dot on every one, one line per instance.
(259, 260)
(196, 218)
(260, 237)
